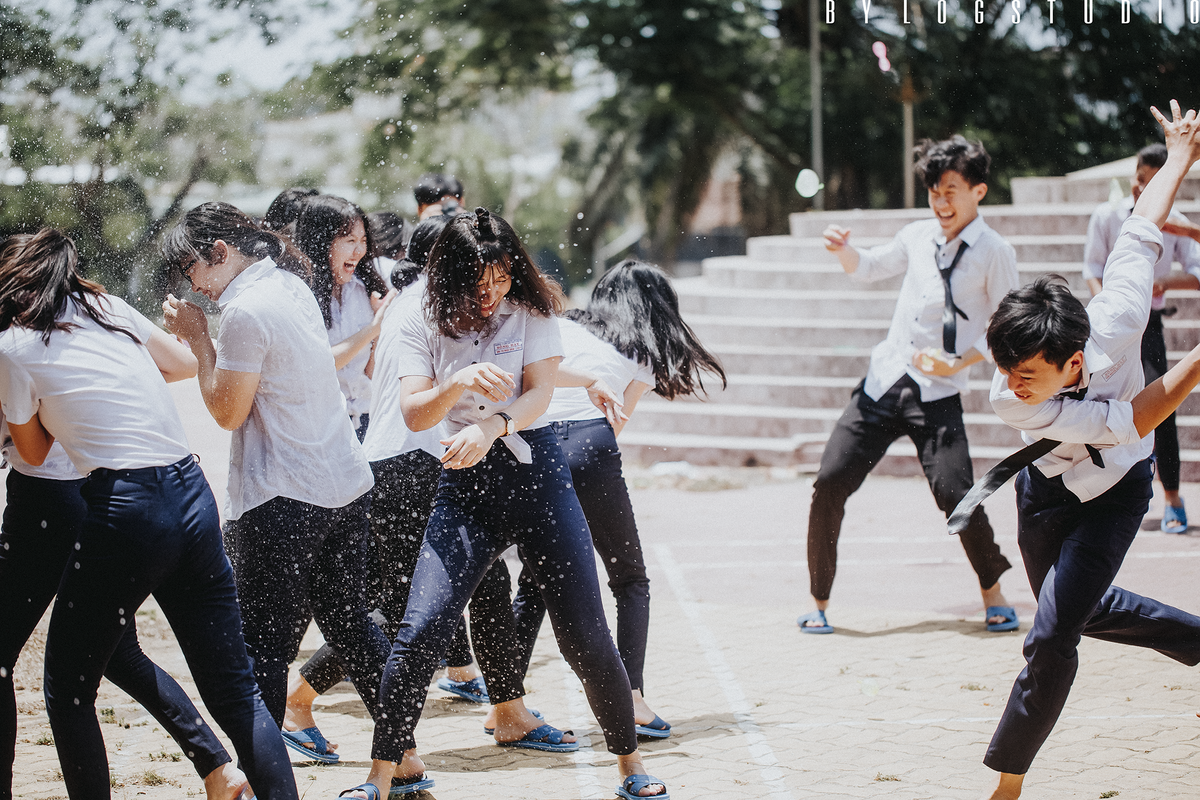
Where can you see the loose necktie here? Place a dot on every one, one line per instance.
(951, 312)
(998, 475)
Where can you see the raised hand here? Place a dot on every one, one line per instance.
(836, 238)
(1182, 132)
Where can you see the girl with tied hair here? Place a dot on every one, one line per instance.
(484, 358)
(83, 369)
(631, 338)
(296, 511)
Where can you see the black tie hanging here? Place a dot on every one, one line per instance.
(951, 312)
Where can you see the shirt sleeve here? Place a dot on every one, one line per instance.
(411, 342)
(1099, 243)
(1119, 312)
(121, 313)
(542, 338)
(645, 374)
(883, 261)
(242, 341)
(1002, 278)
(1095, 422)
(19, 398)
(1187, 253)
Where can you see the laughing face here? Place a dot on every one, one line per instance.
(491, 289)
(346, 251)
(955, 202)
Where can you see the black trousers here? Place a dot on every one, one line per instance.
(1166, 436)
(859, 442)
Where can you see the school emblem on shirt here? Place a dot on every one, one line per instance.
(509, 347)
(1108, 373)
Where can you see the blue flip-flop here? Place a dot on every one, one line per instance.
(474, 690)
(537, 715)
(369, 789)
(546, 738)
(814, 616)
(1011, 623)
(296, 740)
(418, 783)
(630, 787)
(1174, 520)
(658, 729)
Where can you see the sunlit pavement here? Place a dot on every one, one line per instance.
(900, 701)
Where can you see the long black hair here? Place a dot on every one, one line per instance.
(460, 257)
(194, 236)
(39, 273)
(419, 245)
(322, 219)
(635, 309)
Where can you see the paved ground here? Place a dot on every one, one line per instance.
(900, 702)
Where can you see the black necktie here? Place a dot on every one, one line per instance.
(998, 475)
(951, 312)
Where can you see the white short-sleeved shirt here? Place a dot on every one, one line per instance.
(349, 316)
(388, 435)
(99, 393)
(297, 441)
(513, 338)
(56, 467)
(588, 353)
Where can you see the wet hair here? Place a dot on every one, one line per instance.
(39, 273)
(1153, 155)
(193, 237)
(423, 237)
(1042, 318)
(323, 219)
(433, 186)
(635, 309)
(286, 207)
(389, 234)
(460, 257)
(955, 154)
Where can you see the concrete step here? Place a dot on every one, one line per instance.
(788, 331)
(1055, 248)
(1052, 219)
(756, 359)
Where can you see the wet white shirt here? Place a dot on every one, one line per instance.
(986, 272)
(56, 467)
(388, 435)
(349, 316)
(586, 352)
(1112, 374)
(513, 338)
(98, 393)
(297, 441)
(1105, 226)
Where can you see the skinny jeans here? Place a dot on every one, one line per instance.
(153, 531)
(478, 513)
(590, 447)
(294, 561)
(1072, 552)
(1166, 435)
(862, 436)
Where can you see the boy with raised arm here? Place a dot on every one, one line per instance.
(1073, 379)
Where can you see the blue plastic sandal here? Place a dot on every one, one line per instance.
(298, 741)
(1174, 519)
(474, 690)
(546, 738)
(630, 787)
(818, 617)
(418, 783)
(1010, 623)
(659, 728)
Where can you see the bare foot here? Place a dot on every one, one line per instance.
(410, 767)
(226, 782)
(297, 714)
(462, 674)
(992, 596)
(1008, 787)
(642, 713)
(632, 765)
(512, 721)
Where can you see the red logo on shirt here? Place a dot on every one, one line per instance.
(1108, 373)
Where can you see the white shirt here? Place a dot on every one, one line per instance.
(349, 316)
(513, 338)
(388, 435)
(97, 392)
(56, 467)
(986, 272)
(1105, 226)
(297, 441)
(1112, 374)
(384, 266)
(588, 353)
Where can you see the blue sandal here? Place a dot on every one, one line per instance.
(536, 715)
(630, 787)
(817, 616)
(417, 783)
(658, 729)
(1010, 619)
(474, 690)
(369, 789)
(546, 738)
(1174, 519)
(296, 740)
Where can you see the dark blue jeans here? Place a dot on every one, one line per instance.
(295, 561)
(478, 513)
(595, 460)
(1072, 552)
(153, 531)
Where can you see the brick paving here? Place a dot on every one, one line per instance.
(901, 701)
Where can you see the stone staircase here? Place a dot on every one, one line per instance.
(795, 335)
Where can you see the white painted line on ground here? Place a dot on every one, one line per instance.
(590, 787)
(859, 723)
(756, 741)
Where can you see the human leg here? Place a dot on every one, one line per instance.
(1166, 436)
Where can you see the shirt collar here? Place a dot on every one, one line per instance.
(1094, 360)
(246, 277)
(970, 234)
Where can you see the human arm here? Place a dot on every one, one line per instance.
(173, 358)
(1182, 227)
(228, 394)
(32, 440)
(468, 447)
(345, 350)
(837, 241)
(633, 393)
(1182, 135)
(1095, 285)
(425, 404)
(1176, 281)
(935, 362)
(599, 392)
(1159, 400)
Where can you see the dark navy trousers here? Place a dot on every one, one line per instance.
(478, 513)
(1072, 552)
(153, 531)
